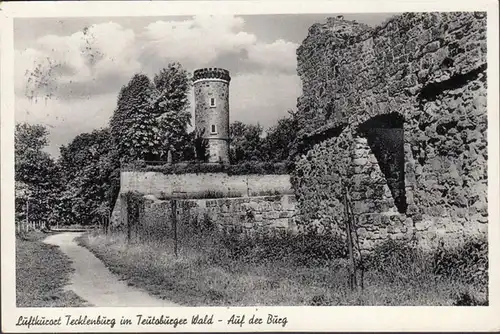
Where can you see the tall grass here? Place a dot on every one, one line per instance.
(222, 269)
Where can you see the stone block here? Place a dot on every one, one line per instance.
(285, 214)
(373, 160)
(431, 47)
(288, 202)
(271, 215)
(360, 161)
(422, 225)
(362, 232)
(363, 206)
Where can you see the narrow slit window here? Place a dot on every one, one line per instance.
(212, 102)
(213, 129)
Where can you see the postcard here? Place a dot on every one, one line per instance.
(244, 166)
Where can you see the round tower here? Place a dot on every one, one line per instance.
(211, 113)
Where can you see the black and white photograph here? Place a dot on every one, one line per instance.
(247, 160)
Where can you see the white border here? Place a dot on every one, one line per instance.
(299, 318)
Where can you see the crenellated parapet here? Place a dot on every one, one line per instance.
(211, 74)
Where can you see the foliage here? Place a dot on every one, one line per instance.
(151, 118)
(37, 176)
(467, 299)
(246, 142)
(29, 137)
(170, 104)
(208, 194)
(88, 165)
(135, 204)
(301, 250)
(245, 168)
(397, 259)
(469, 263)
(133, 126)
(280, 139)
(205, 273)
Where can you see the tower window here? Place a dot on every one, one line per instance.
(212, 102)
(213, 129)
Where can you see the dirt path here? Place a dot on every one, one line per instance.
(93, 282)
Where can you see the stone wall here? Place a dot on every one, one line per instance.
(191, 184)
(396, 117)
(247, 216)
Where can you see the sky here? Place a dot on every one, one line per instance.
(68, 71)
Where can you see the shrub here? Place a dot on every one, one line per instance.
(208, 194)
(245, 168)
(467, 263)
(466, 299)
(398, 260)
(302, 250)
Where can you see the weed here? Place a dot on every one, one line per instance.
(216, 269)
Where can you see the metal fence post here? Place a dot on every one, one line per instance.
(174, 224)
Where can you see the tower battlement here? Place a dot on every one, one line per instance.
(211, 73)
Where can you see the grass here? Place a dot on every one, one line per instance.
(216, 271)
(42, 271)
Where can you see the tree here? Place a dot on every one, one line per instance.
(151, 118)
(133, 128)
(88, 172)
(170, 105)
(37, 177)
(246, 142)
(30, 137)
(280, 139)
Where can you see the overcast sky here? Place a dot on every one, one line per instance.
(69, 71)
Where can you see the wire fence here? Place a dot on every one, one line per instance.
(26, 226)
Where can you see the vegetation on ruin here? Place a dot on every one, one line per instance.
(216, 269)
(42, 271)
(212, 194)
(244, 168)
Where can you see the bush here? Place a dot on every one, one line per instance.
(301, 250)
(245, 168)
(467, 263)
(208, 194)
(398, 260)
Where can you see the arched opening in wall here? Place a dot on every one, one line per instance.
(385, 136)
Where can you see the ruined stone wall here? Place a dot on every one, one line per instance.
(420, 77)
(242, 216)
(249, 216)
(192, 185)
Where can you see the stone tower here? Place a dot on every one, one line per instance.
(211, 115)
